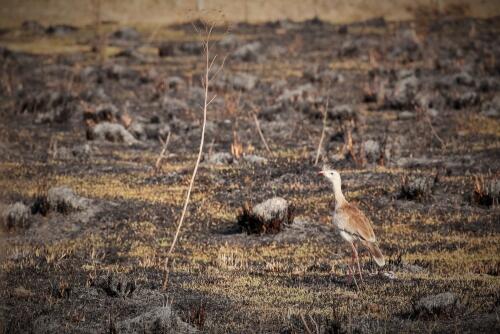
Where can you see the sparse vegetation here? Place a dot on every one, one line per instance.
(94, 258)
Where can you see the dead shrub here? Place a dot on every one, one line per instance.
(485, 193)
(416, 188)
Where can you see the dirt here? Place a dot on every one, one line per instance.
(405, 127)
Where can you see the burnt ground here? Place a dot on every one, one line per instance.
(412, 126)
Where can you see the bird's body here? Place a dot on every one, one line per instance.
(351, 222)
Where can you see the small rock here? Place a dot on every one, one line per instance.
(437, 304)
(270, 216)
(111, 132)
(254, 159)
(160, 319)
(343, 112)
(174, 106)
(80, 152)
(464, 78)
(248, 52)
(220, 158)
(238, 81)
(63, 199)
(60, 29)
(412, 268)
(276, 207)
(116, 286)
(126, 33)
(296, 94)
(390, 275)
(16, 216)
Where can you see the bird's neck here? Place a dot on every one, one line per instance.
(339, 197)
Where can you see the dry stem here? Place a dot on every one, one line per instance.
(162, 153)
(325, 112)
(257, 124)
(206, 82)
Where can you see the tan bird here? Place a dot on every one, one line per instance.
(352, 223)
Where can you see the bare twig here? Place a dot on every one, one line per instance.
(162, 153)
(257, 125)
(325, 112)
(200, 152)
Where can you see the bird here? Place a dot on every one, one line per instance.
(352, 223)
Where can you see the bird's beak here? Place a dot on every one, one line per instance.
(321, 173)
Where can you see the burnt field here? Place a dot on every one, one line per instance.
(410, 113)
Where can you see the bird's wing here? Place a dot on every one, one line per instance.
(357, 223)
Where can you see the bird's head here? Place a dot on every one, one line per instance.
(330, 174)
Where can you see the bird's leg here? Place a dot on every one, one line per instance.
(355, 254)
(351, 269)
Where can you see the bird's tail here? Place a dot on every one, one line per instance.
(375, 252)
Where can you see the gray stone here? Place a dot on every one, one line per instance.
(241, 81)
(464, 78)
(296, 94)
(436, 304)
(273, 208)
(161, 319)
(173, 105)
(16, 216)
(64, 199)
(112, 132)
(343, 112)
(248, 52)
(220, 158)
(254, 159)
(116, 285)
(126, 33)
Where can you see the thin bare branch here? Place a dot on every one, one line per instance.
(219, 69)
(212, 63)
(197, 164)
(212, 99)
(257, 125)
(162, 153)
(320, 144)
